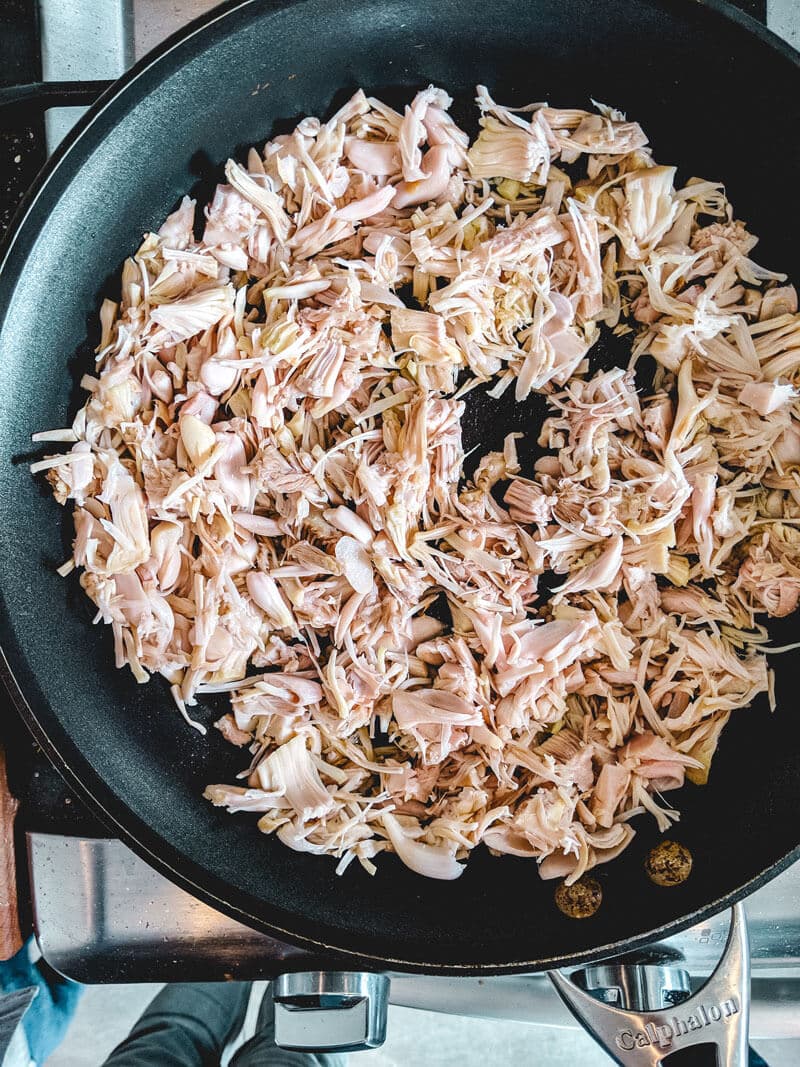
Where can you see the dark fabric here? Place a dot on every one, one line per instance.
(185, 1025)
(261, 1050)
(190, 1024)
(12, 1008)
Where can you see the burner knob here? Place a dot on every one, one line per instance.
(330, 1011)
(638, 986)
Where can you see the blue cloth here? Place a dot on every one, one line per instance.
(46, 1020)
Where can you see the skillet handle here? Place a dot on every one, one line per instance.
(718, 1013)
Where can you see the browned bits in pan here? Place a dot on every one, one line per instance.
(668, 864)
(580, 900)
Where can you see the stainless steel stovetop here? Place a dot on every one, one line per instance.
(102, 915)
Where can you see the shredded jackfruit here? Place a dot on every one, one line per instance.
(268, 476)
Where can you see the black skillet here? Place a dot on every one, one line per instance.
(717, 94)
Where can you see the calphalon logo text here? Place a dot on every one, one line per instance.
(664, 1035)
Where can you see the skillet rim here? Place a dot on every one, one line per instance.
(68, 759)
